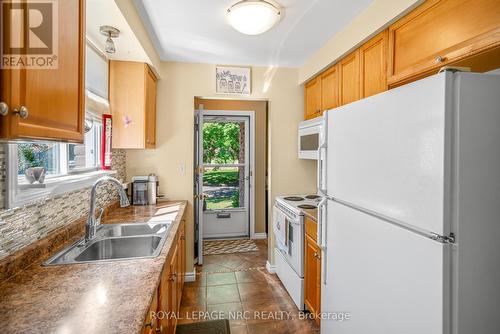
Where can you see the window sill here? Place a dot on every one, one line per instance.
(27, 193)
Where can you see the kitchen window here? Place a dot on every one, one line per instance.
(66, 166)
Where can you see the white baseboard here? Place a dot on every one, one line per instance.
(270, 268)
(190, 276)
(261, 235)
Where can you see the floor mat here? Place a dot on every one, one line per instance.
(214, 247)
(206, 327)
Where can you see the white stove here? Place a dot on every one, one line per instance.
(288, 227)
(296, 203)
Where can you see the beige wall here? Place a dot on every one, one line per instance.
(372, 20)
(172, 159)
(260, 111)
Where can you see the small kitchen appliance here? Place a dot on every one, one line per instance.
(144, 189)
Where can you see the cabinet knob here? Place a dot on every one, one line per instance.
(439, 59)
(4, 108)
(22, 112)
(149, 324)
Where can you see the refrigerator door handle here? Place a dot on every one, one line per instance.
(322, 240)
(321, 168)
(319, 231)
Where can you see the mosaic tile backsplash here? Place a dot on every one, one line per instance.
(22, 226)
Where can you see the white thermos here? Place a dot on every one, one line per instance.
(152, 188)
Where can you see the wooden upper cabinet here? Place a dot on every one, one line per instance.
(53, 98)
(150, 109)
(441, 32)
(373, 65)
(349, 78)
(312, 98)
(132, 99)
(329, 88)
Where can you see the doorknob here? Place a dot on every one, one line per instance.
(4, 108)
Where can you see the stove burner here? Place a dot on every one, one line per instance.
(294, 198)
(307, 206)
(312, 196)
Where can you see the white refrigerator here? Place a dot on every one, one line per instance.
(410, 223)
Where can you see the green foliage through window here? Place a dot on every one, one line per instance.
(221, 143)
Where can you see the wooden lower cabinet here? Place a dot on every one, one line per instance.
(168, 297)
(151, 322)
(312, 273)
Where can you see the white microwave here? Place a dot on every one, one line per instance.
(310, 137)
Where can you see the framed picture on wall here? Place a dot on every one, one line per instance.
(233, 80)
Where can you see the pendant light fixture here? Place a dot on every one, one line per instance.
(110, 32)
(253, 17)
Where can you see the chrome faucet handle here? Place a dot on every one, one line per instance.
(98, 219)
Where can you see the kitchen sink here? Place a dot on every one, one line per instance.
(115, 242)
(125, 230)
(120, 248)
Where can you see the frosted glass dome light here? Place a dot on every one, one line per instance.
(253, 17)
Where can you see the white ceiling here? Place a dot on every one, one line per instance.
(106, 12)
(197, 31)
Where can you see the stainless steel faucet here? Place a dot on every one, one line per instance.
(92, 221)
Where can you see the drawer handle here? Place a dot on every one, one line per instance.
(439, 59)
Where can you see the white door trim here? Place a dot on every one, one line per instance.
(251, 115)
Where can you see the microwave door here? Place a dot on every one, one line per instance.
(309, 139)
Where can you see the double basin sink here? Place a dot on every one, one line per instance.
(116, 242)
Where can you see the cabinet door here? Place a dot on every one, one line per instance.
(164, 299)
(349, 78)
(150, 108)
(54, 98)
(330, 89)
(151, 323)
(373, 65)
(182, 254)
(312, 98)
(312, 276)
(126, 101)
(440, 32)
(173, 287)
(179, 270)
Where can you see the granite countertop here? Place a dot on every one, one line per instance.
(108, 297)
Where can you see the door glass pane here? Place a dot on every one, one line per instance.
(223, 142)
(223, 187)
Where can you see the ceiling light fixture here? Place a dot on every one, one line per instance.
(110, 32)
(253, 17)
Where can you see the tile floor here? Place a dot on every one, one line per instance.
(230, 283)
